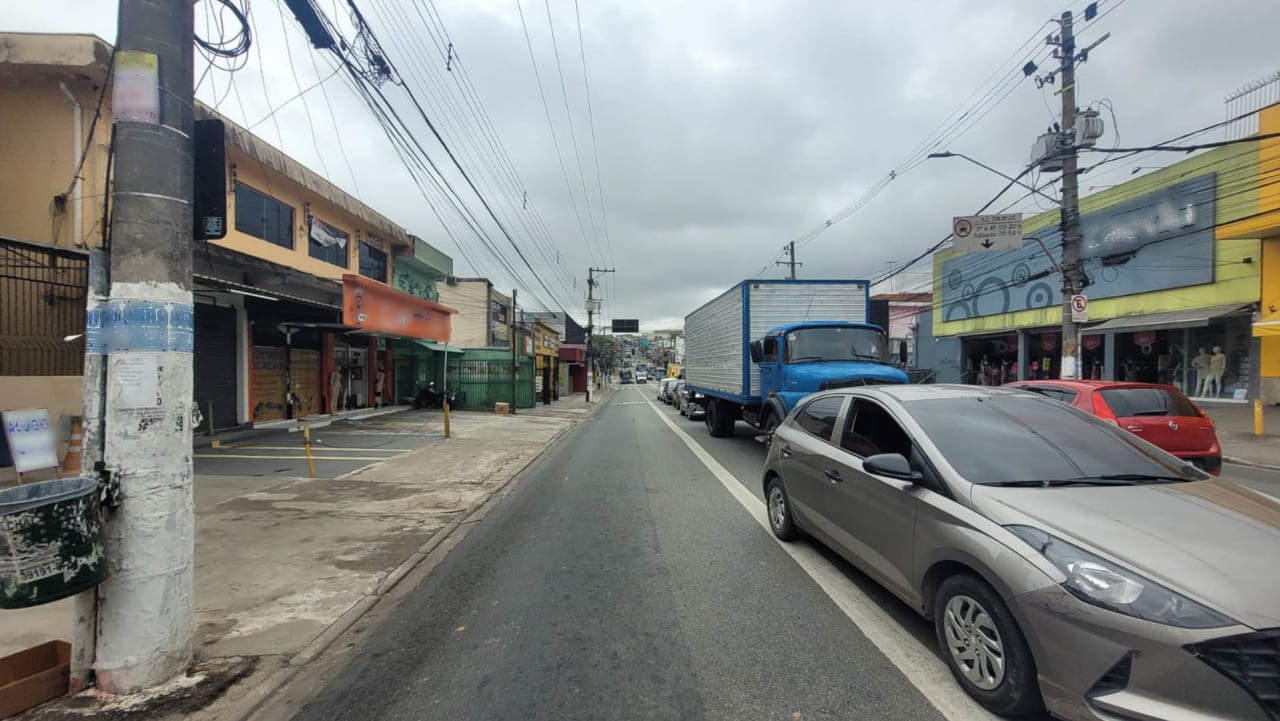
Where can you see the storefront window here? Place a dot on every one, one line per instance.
(1219, 360)
(991, 361)
(1152, 356)
(1045, 351)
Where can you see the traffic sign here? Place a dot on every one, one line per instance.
(1079, 308)
(973, 233)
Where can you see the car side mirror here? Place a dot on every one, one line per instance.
(757, 351)
(891, 465)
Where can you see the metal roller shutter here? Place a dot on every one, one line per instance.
(215, 363)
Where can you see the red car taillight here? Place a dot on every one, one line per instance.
(1103, 411)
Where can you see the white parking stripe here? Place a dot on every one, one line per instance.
(917, 663)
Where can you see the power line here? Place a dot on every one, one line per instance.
(595, 148)
(551, 127)
(573, 135)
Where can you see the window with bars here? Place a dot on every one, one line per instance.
(373, 263)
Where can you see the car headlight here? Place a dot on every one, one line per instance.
(1108, 585)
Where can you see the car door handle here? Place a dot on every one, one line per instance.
(1135, 428)
(785, 449)
(832, 475)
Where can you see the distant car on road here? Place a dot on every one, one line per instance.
(1159, 414)
(1066, 564)
(690, 403)
(626, 377)
(666, 391)
(642, 377)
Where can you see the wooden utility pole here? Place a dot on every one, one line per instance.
(146, 605)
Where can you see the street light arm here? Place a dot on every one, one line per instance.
(1011, 179)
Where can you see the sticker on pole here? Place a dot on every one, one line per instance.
(973, 233)
(1079, 308)
(135, 94)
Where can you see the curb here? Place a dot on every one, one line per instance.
(1251, 464)
(278, 679)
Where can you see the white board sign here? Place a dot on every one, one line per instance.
(972, 233)
(32, 444)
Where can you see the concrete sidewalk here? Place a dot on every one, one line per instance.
(279, 561)
(1234, 424)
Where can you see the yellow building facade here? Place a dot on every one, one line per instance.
(1264, 223)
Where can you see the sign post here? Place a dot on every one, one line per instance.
(1079, 308)
(974, 233)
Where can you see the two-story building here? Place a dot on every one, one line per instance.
(297, 308)
(1173, 286)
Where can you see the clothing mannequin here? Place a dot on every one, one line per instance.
(1217, 366)
(335, 389)
(1201, 365)
(378, 382)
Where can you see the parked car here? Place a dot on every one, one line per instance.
(1065, 563)
(1159, 414)
(666, 390)
(690, 403)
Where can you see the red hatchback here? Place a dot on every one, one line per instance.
(1159, 414)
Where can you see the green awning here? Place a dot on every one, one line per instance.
(440, 347)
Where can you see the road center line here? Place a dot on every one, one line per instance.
(916, 662)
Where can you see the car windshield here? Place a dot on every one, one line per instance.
(1025, 438)
(836, 344)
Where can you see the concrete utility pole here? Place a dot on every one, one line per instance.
(146, 605)
(591, 309)
(515, 363)
(791, 252)
(1071, 238)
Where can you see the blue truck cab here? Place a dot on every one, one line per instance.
(758, 348)
(798, 359)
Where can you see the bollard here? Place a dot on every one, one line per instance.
(306, 441)
(446, 419)
(209, 428)
(1257, 416)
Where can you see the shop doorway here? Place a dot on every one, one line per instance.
(353, 367)
(991, 361)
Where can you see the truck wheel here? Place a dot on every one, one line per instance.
(719, 420)
(770, 425)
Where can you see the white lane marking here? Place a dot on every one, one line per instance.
(917, 663)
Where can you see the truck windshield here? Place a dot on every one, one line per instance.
(832, 344)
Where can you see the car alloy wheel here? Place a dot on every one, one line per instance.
(984, 648)
(779, 510)
(974, 642)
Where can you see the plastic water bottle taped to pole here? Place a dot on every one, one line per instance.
(50, 541)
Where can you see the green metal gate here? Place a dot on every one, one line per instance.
(482, 383)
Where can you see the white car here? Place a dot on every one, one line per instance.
(642, 377)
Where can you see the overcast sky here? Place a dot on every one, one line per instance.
(724, 128)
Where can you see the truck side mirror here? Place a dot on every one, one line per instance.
(757, 351)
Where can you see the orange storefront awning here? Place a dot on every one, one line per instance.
(373, 307)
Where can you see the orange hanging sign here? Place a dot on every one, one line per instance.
(371, 306)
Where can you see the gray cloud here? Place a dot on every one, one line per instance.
(726, 129)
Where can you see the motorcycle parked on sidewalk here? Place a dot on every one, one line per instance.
(429, 397)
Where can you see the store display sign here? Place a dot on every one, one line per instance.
(1155, 242)
(31, 440)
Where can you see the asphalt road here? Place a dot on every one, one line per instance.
(630, 575)
(338, 448)
(621, 579)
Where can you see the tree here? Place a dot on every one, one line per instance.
(605, 351)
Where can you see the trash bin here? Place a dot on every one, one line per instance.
(50, 541)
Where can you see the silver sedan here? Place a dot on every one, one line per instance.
(1066, 565)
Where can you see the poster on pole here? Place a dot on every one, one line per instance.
(30, 437)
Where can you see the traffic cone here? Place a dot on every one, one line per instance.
(71, 463)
